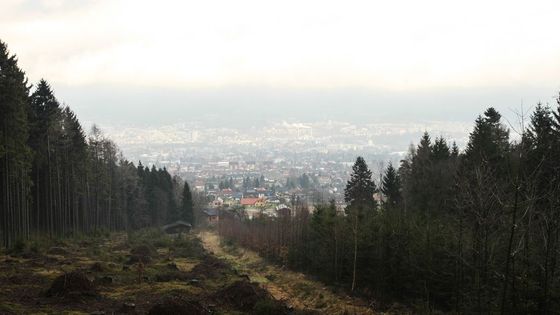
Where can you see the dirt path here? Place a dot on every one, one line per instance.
(294, 288)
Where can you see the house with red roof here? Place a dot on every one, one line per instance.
(252, 202)
(248, 201)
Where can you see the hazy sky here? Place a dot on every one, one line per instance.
(440, 48)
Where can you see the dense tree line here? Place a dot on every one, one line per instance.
(57, 181)
(475, 231)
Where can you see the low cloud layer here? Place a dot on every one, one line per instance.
(398, 45)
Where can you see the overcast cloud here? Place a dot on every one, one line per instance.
(248, 52)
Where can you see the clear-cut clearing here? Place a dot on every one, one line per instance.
(295, 289)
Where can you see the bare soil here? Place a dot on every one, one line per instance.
(97, 276)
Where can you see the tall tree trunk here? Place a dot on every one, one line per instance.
(355, 252)
(509, 256)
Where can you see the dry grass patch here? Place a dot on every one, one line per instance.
(295, 289)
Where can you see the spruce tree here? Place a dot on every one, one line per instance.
(541, 129)
(488, 142)
(442, 175)
(541, 139)
(324, 240)
(360, 188)
(75, 167)
(483, 183)
(359, 199)
(187, 208)
(421, 173)
(440, 150)
(391, 187)
(15, 154)
(454, 150)
(542, 183)
(45, 139)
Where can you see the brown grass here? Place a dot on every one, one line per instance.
(295, 289)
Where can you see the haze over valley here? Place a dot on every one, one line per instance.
(279, 157)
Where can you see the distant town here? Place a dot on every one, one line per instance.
(266, 169)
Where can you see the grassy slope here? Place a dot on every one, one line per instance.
(296, 289)
(25, 276)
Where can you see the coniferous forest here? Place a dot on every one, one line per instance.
(472, 231)
(57, 181)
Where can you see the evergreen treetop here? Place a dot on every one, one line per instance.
(360, 188)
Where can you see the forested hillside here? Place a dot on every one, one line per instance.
(468, 231)
(472, 232)
(56, 181)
